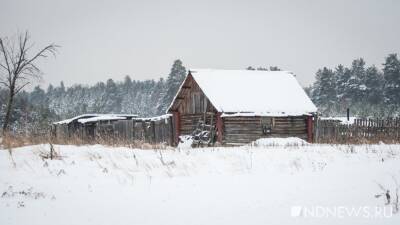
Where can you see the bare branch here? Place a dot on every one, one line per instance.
(5, 55)
(17, 89)
(22, 50)
(4, 67)
(41, 54)
(5, 84)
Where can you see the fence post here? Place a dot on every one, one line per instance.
(219, 127)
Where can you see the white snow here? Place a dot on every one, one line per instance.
(341, 119)
(101, 118)
(156, 118)
(274, 93)
(85, 118)
(107, 117)
(185, 142)
(267, 142)
(76, 118)
(254, 184)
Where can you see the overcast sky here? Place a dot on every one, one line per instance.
(111, 39)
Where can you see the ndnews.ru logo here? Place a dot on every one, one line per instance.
(341, 211)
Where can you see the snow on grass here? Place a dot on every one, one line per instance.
(341, 119)
(255, 184)
(269, 142)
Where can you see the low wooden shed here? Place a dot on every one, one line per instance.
(87, 125)
(243, 105)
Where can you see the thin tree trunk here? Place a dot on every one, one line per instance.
(8, 111)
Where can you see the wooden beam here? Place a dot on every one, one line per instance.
(220, 127)
(177, 123)
(309, 129)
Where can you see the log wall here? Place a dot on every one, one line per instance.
(241, 130)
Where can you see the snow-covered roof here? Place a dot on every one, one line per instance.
(250, 92)
(76, 118)
(102, 118)
(85, 118)
(156, 118)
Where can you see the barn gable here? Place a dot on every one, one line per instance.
(190, 98)
(192, 107)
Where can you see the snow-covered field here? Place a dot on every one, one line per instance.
(266, 183)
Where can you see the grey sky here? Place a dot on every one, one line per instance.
(111, 39)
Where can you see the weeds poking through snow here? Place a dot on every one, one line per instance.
(396, 204)
(20, 204)
(51, 154)
(296, 163)
(26, 193)
(61, 172)
(391, 198)
(136, 160)
(171, 163)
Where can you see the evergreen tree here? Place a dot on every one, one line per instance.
(174, 80)
(342, 77)
(62, 87)
(113, 98)
(127, 83)
(391, 74)
(356, 85)
(374, 85)
(50, 89)
(324, 90)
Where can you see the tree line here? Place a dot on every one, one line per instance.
(34, 111)
(367, 91)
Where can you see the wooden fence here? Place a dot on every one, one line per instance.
(361, 131)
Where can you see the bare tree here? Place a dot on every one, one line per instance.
(17, 68)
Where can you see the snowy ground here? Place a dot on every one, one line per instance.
(243, 185)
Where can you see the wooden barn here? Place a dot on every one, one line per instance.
(241, 106)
